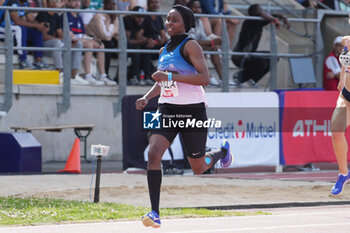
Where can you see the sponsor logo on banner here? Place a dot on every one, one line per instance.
(250, 123)
(310, 128)
(243, 130)
(306, 126)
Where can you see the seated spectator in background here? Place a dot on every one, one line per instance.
(104, 27)
(45, 3)
(154, 30)
(33, 36)
(141, 3)
(308, 3)
(332, 67)
(153, 26)
(181, 2)
(52, 40)
(90, 5)
(253, 68)
(22, 29)
(208, 7)
(136, 40)
(123, 5)
(205, 20)
(231, 24)
(77, 32)
(207, 44)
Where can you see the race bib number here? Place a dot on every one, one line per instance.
(169, 89)
(344, 58)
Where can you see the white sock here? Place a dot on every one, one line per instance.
(343, 174)
(89, 75)
(103, 75)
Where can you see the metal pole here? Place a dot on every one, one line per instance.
(98, 176)
(9, 65)
(273, 59)
(225, 57)
(122, 65)
(319, 46)
(67, 65)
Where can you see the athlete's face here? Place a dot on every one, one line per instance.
(349, 19)
(174, 23)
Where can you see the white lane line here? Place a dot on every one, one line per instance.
(263, 228)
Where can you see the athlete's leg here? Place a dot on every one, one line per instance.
(157, 146)
(340, 121)
(338, 127)
(200, 161)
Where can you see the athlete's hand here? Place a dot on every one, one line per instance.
(160, 76)
(141, 103)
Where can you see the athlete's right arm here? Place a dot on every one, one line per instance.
(143, 101)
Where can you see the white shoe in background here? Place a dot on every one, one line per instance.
(106, 80)
(77, 80)
(90, 78)
(60, 77)
(213, 81)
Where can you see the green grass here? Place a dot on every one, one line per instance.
(30, 211)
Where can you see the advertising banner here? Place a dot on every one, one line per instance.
(250, 122)
(306, 126)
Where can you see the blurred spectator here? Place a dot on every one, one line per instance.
(136, 40)
(154, 30)
(123, 5)
(344, 6)
(104, 27)
(205, 20)
(90, 5)
(45, 3)
(181, 2)
(24, 28)
(308, 3)
(141, 3)
(333, 4)
(34, 37)
(211, 7)
(207, 44)
(253, 68)
(332, 67)
(153, 26)
(77, 32)
(52, 40)
(231, 24)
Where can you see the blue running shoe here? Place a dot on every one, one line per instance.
(338, 187)
(151, 219)
(228, 159)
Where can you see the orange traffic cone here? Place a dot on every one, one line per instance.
(73, 161)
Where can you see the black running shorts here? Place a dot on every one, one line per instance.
(194, 139)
